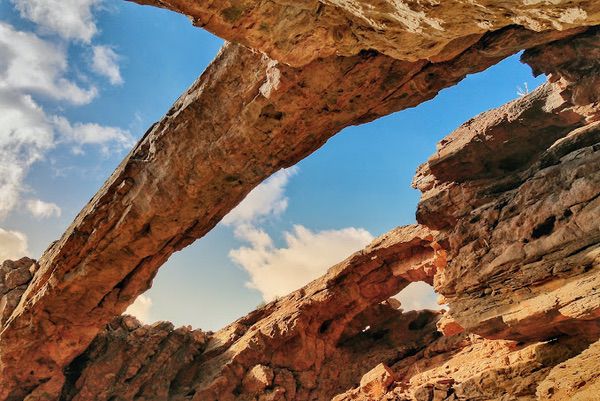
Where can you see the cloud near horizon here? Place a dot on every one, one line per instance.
(140, 308)
(13, 245)
(307, 254)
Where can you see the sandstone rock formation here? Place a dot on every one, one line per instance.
(509, 228)
(290, 349)
(299, 32)
(522, 227)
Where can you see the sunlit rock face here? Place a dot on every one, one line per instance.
(309, 345)
(516, 192)
(299, 32)
(508, 228)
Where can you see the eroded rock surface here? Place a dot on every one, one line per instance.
(291, 349)
(192, 168)
(299, 32)
(510, 207)
(516, 191)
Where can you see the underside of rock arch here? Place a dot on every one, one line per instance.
(508, 224)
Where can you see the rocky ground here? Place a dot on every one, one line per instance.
(508, 229)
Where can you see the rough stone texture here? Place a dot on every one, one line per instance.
(516, 192)
(468, 367)
(577, 379)
(513, 193)
(193, 167)
(298, 32)
(291, 349)
(14, 277)
(376, 381)
(132, 361)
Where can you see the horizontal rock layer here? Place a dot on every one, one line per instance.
(299, 32)
(516, 192)
(193, 167)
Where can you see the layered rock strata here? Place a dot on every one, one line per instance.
(291, 349)
(193, 167)
(514, 194)
(516, 191)
(299, 32)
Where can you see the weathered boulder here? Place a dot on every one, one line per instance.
(376, 381)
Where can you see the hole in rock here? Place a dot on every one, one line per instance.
(308, 218)
(417, 296)
(544, 228)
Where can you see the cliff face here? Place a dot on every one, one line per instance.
(516, 192)
(508, 230)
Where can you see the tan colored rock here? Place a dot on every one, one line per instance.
(376, 382)
(258, 379)
(468, 367)
(192, 168)
(299, 32)
(306, 346)
(448, 326)
(523, 238)
(531, 208)
(577, 379)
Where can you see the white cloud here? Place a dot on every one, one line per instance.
(13, 245)
(140, 308)
(25, 135)
(71, 19)
(93, 134)
(106, 62)
(307, 255)
(266, 199)
(417, 296)
(42, 210)
(29, 64)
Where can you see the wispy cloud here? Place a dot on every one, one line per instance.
(70, 19)
(38, 67)
(30, 68)
(43, 210)
(105, 61)
(267, 199)
(93, 134)
(307, 254)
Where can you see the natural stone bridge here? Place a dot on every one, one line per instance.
(508, 230)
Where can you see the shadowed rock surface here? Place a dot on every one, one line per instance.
(191, 169)
(509, 216)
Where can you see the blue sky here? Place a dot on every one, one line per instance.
(77, 94)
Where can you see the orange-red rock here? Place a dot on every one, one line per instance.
(513, 192)
(193, 167)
